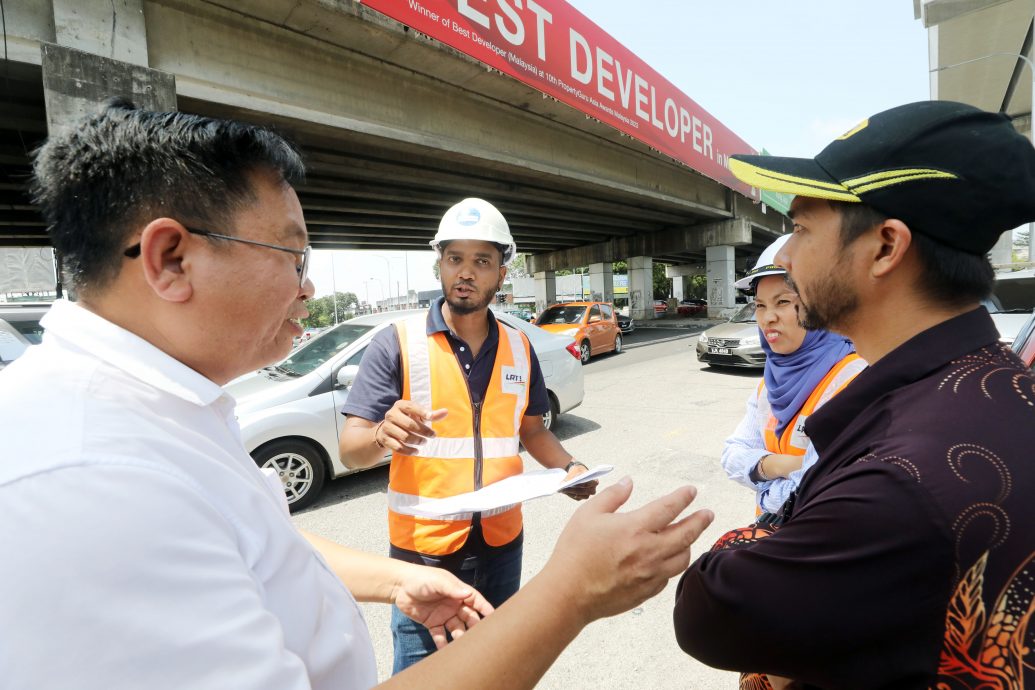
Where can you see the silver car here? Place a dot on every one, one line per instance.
(290, 413)
(20, 328)
(735, 343)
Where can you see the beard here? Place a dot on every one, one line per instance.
(477, 302)
(833, 308)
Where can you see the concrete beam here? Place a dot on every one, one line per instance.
(685, 270)
(417, 93)
(75, 83)
(695, 238)
(934, 12)
(112, 28)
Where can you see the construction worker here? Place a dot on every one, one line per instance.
(770, 452)
(451, 395)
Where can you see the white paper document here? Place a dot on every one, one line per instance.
(521, 487)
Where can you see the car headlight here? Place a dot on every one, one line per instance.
(703, 338)
(750, 341)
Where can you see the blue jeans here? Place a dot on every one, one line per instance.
(497, 578)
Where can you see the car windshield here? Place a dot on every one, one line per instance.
(321, 348)
(746, 314)
(32, 330)
(561, 315)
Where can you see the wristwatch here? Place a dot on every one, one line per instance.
(567, 468)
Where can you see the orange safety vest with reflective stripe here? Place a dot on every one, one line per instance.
(793, 440)
(473, 446)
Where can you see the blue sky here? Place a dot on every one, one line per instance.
(788, 76)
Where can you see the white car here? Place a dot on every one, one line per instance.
(290, 413)
(20, 328)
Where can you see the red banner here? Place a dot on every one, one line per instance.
(553, 47)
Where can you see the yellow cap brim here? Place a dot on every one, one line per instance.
(762, 172)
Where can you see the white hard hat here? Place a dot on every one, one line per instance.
(765, 266)
(475, 219)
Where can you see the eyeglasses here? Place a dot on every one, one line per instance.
(302, 269)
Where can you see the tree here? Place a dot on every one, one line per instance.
(321, 309)
(662, 285)
(1020, 252)
(517, 267)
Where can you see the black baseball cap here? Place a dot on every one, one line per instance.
(955, 173)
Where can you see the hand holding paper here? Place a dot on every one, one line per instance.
(512, 490)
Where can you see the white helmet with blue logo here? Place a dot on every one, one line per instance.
(765, 266)
(475, 219)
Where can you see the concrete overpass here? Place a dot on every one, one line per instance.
(980, 53)
(395, 128)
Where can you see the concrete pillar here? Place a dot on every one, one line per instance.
(601, 283)
(545, 290)
(641, 288)
(721, 294)
(677, 288)
(1002, 252)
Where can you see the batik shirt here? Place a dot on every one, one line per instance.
(907, 559)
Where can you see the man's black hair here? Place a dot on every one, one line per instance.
(105, 177)
(949, 276)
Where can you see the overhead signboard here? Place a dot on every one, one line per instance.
(551, 46)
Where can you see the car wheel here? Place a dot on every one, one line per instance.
(299, 466)
(618, 343)
(550, 417)
(584, 352)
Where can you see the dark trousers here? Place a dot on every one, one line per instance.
(497, 577)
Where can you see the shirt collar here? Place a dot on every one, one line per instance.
(437, 322)
(917, 358)
(79, 328)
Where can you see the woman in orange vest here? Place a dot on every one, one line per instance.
(770, 451)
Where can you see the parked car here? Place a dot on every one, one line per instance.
(1007, 321)
(1024, 343)
(592, 324)
(660, 307)
(692, 307)
(735, 343)
(20, 328)
(522, 314)
(626, 324)
(290, 413)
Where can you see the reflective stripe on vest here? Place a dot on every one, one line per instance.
(447, 463)
(793, 441)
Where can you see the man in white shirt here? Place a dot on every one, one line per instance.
(144, 548)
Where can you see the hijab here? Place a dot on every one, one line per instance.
(790, 379)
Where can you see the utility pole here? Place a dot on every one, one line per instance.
(334, 287)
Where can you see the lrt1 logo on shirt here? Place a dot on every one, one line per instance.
(514, 380)
(799, 439)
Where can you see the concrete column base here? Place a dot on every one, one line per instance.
(545, 290)
(721, 293)
(601, 283)
(641, 288)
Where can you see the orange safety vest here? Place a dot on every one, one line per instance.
(471, 448)
(794, 441)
